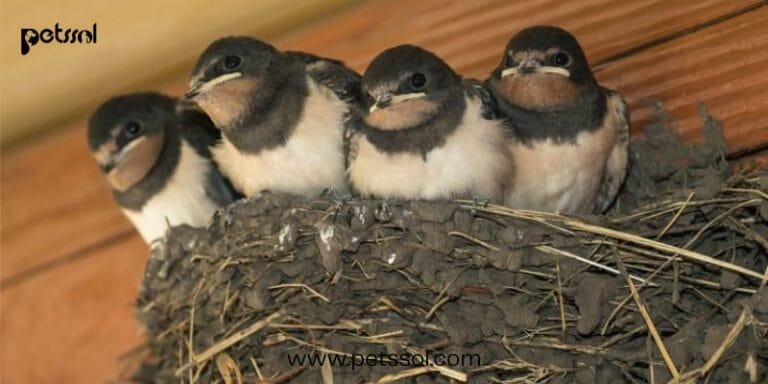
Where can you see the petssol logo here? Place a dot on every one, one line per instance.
(31, 36)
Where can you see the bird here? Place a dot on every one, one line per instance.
(154, 152)
(282, 115)
(424, 132)
(570, 135)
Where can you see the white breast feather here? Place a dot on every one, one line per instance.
(181, 201)
(310, 162)
(559, 177)
(470, 163)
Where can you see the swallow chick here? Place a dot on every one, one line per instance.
(570, 135)
(281, 115)
(424, 133)
(154, 155)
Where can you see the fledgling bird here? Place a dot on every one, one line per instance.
(281, 115)
(570, 134)
(153, 152)
(424, 133)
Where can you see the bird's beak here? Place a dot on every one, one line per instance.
(532, 66)
(194, 90)
(388, 99)
(524, 67)
(381, 102)
(113, 159)
(198, 87)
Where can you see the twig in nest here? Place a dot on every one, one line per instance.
(393, 377)
(561, 303)
(626, 299)
(762, 283)
(555, 344)
(747, 190)
(228, 342)
(441, 298)
(303, 286)
(285, 337)
(675, 217)
(622, 336)
(443, 370)
(663, 247)
(256, 368)
(283, 377)
(669, 206)
(702, 282)
(651, 369)
(651, 327)
(474, 240)
(350, 326)
(436, 306)
(555, 251)
(533, 216)
(326, 371)
(749, 232)
(717, 219)
(228, 368)
(751, 368)
(728, 341)
(384, 335)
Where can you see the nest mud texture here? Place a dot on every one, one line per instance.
(668, 285)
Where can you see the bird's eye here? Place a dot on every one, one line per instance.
(132, 129)
(561, 59)
(418, 80)
(508, 62)
(232, 62)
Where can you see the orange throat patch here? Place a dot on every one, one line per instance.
(136, 164)
(538, 90)
(225, 103)
(402, 115)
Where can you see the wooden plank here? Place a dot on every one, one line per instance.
(138, 43)
(55, 204)
(723, 66)
(70, 324)
(470, 35)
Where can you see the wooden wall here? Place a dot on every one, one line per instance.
(71, 263)
(140, 44)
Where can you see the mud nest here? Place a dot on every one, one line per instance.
(671, 283)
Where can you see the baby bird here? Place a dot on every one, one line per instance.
(424, 133)
(570, 135)
(154, 155)
(281, 114)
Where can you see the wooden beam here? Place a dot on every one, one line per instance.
(723, 66)
(70, 324)
(138, 44)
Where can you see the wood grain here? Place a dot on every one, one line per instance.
(723, 66)
(70, 324)
(470, 35)
(138, 44)
(55, 204)
(73, 262)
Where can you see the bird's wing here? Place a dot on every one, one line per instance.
(219, 189)
(352, 127)
(340, 79)
(477, 90)
(200, 132)
(197, 127)
(616, 167)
